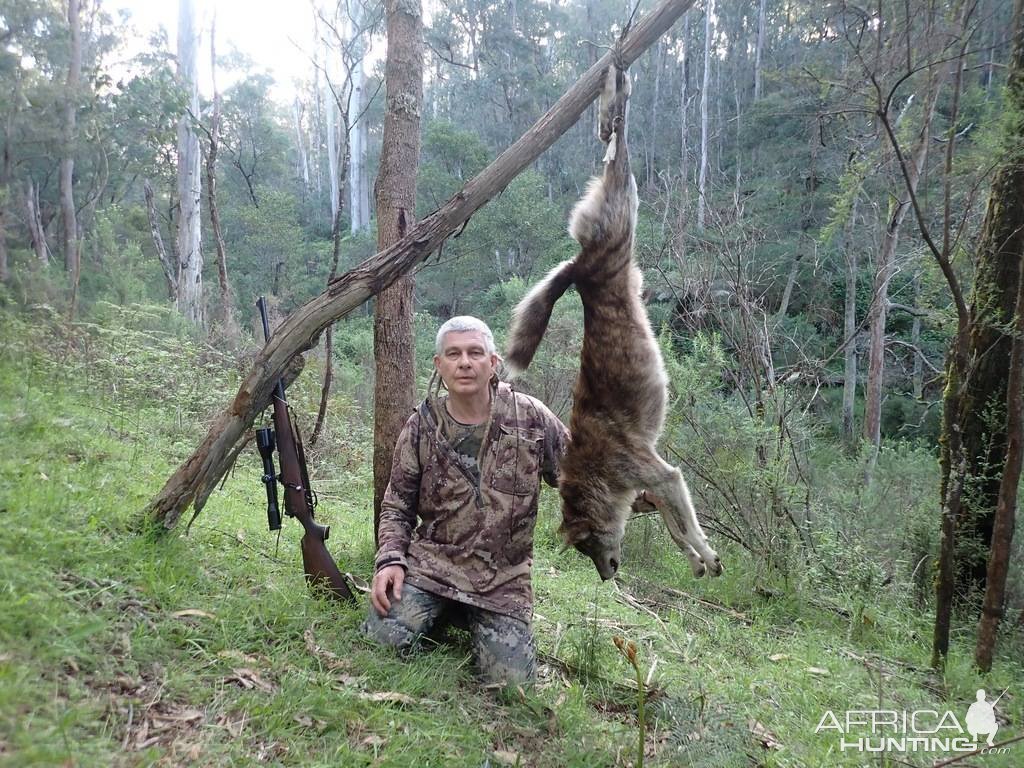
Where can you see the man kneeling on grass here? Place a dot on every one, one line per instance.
(456, 523)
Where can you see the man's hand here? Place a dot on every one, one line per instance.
(390, 576)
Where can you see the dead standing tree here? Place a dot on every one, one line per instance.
(194, 481)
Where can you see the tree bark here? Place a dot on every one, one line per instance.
(190, 254)
(72, 255)
(228, 325)
(197, 477)
(702, 180)
(395, 193)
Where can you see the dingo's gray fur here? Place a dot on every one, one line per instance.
(619, 400)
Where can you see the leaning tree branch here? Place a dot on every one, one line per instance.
(194, 481)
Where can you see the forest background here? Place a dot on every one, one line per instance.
(814, 222)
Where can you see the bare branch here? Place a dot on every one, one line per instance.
(916, 350)
(450, 58)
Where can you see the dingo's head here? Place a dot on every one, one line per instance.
(592, 527)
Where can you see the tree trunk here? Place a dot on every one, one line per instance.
(684, 154)
(5, 193)
(302, 157)
(338, 206)
(228, 325)
(702, 180)
(917, 376)
(950, 491)
(325, 389)
(885, 264)
(787, 292)
(72, 256)
(850, 335)
(317, 130)
(1006, 507)
(197, 477)
(395, 192)
(333, 165)
(5, 273)
(737, 192)
(652, 130)
(991, 45)
(358, 179)
(190, 254)
(982, 410)
(170, 266)
(759, 49)
(997, 263)
(35, 224)
(358, 182)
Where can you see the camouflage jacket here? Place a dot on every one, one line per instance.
(471, 542)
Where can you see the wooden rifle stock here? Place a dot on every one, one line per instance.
(322, 573)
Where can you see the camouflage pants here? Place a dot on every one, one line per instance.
(503, 647)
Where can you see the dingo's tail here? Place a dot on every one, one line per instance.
(530, 319)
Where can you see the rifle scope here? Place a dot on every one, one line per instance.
(265, 444)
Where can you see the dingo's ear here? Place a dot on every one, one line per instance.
(574, 533)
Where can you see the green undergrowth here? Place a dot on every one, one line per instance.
(120, 648)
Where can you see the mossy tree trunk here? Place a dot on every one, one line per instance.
(973, 448)
(1002, 248)
(983, 413)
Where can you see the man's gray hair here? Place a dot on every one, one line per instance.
(462, 323)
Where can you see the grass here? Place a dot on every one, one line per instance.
(124, 649)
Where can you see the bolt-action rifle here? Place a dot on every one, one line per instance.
(300, 500)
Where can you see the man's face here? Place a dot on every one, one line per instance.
(464, 364)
